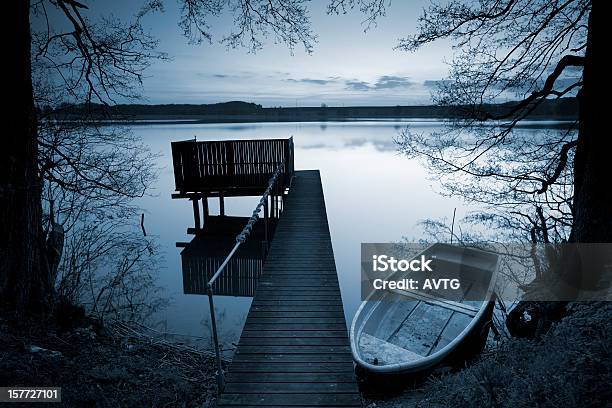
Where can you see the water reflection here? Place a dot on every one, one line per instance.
(201, 258)
(372, 194)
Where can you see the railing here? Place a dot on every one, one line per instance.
(275, 189)
(229, 165)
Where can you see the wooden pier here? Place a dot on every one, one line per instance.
(294, 349)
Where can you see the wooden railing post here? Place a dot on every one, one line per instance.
(196, 213)
(266, 226)
(205, 208)
(213, 322)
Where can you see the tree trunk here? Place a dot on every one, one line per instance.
(592, 171)
(23, 278)
(581, 266)
(592, 209)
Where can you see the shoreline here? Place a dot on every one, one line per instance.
(535, 122)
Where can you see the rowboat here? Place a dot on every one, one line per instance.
(403, 331)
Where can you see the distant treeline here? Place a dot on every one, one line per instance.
(563, 108)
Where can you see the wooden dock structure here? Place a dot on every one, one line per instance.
(294, 349)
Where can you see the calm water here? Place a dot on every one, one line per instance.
(372, 194)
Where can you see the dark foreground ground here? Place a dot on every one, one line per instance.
(569, 367)
(98, 369)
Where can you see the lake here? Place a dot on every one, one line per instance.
(372, 194)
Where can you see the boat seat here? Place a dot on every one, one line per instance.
(438, 301)
(372, 347)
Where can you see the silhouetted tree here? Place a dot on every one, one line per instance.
(371, 9)
(91, 174)
(550, 187)
(92, 61)
(533, 50)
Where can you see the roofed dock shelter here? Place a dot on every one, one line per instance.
(230, 168)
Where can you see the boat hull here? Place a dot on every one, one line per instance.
(405, 332)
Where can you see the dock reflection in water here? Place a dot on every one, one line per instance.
(202, 257)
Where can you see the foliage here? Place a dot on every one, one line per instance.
(287, 21)
(530, 50)
(568, 367)
(85, 60)
(92, 173)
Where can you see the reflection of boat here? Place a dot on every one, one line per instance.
(208, 249)
(407, 331)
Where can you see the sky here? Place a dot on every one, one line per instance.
(348, 67)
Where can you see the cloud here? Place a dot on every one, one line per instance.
(313, 81)
(391, 81)
(224, 76)
(382, 83)
(357, 85)
(562, 83)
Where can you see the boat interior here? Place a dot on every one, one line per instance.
(408, 325)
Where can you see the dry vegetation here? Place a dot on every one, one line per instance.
(100, 367)
(568, 367)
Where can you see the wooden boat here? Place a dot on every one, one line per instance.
(408, 331)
